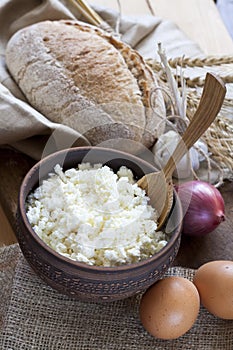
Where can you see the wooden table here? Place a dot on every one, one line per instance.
(200, 20)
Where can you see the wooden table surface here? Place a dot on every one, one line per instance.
(200, 20)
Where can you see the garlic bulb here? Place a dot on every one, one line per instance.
(165, 146)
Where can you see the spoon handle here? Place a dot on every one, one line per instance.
(210, 104)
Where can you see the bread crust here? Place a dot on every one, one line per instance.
(80, 76)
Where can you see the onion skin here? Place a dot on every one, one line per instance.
(203, 207)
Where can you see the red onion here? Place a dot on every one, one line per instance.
(203, 207)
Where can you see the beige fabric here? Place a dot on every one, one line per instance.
(19, 122)
(39, 318)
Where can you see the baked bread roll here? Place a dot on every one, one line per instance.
(78, 75)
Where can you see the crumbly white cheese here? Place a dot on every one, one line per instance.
(93, 215)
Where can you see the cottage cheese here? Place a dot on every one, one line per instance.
(93, 215)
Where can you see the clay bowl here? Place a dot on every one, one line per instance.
(77, 279)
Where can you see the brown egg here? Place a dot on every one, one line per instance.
(169, 308)
(214, 281)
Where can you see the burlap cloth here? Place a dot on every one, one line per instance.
(35, 317)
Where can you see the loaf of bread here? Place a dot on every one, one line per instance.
(78, 75)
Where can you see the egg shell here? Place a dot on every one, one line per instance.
(169, 308)
(214, 281)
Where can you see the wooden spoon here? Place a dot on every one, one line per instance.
(158, 185)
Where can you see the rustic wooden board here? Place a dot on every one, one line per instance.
(13, 168)
(199, 19)
(7, 236)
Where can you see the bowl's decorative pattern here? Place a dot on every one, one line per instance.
(88, 289)
(83, 281)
